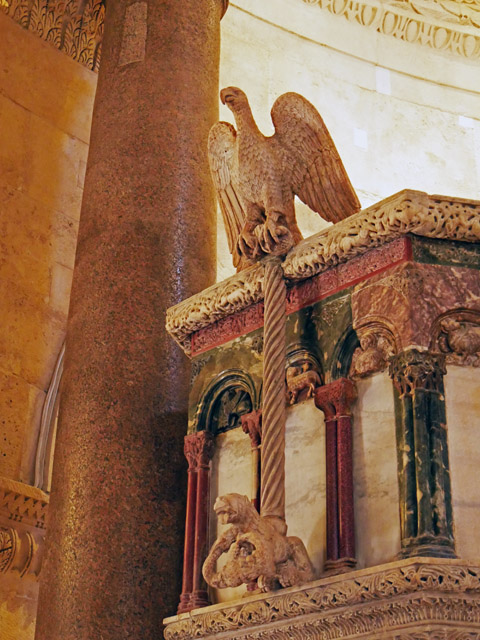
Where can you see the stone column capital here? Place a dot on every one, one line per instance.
(335, 399)
(198, 449)
(252, 425)
(414, 369)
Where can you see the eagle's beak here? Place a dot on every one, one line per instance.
(224, 95)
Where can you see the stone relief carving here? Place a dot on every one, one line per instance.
(377, 345)
(301, 378)
(257, 552)
(459, 338)
(257, 177)
(229, 408)
(73, 26)
(405, 212)
(445, 25)
(406, 597)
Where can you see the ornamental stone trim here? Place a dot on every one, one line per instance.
(438, 24)
(412, 598)
(406, 212)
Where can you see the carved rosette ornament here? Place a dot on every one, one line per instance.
(423, 467)
(199, 449)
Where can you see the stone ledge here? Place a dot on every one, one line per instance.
(415, 598)
(407, 212)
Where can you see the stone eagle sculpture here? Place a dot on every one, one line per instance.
(257, 177)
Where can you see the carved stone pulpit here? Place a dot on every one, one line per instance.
(382, 380)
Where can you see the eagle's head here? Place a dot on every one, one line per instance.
(233, 97)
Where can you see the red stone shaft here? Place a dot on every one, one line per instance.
(331, 469)
(146, 241)
(346, 540)
(199, 589)
(188, 553)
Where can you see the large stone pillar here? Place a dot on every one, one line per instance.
(115, 534)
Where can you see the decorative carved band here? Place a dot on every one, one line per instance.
(439, 24)
(22, 503)
(406, 212)
(400, 600)
(73, 26)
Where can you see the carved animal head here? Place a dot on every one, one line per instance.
(235, 509)
(234, 98)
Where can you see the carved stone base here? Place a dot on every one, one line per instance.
(413, 599)
(342, 565)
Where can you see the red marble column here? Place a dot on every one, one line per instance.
(146, 241)
(335, 400)
(199, 596)
(190, 450)
(252, 425)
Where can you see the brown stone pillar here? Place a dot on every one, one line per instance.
(146, 241)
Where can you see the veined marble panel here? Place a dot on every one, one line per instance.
(462, 395)
(377, 519)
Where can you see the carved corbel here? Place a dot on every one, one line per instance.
(303, 375)
(457, 335)
(252, 425)
(377, 346)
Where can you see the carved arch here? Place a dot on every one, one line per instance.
(342, 355)
(229, 395)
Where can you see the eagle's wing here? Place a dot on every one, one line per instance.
(318, 176)
(221, 150)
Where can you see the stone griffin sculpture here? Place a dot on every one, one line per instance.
(258, 554)
(257, 177)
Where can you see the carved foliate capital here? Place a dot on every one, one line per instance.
(252, 425)
(414, 369)
(377, 345)
(198, 449)
(336, 399)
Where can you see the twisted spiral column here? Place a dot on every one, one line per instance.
(273, 437)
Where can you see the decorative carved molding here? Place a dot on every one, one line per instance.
(22, 528)
(444, 25)
(399, 600)
(405, 212)
(73, 26)
(21, 503)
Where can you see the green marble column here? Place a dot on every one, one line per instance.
(423, 471)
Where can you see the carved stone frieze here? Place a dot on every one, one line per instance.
(406, 212)
(444, 25)
(405, 599)
(22, 527)
(73, 26)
